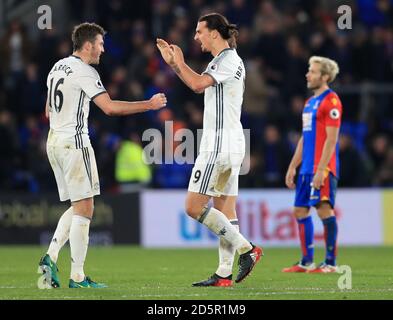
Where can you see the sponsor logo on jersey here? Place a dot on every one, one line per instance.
(307, 121)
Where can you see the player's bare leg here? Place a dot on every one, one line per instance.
(217, 222)
(325, 210)
(306, 235)
(301, 212)
(227, 205)
(326, 214)
(79, 241)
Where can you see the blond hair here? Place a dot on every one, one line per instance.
(328, 67)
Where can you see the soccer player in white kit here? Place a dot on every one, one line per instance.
(216, 170)
(72, 84)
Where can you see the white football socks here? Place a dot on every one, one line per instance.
(226, 253)
(61, 234)
(79, 241)
(217, 222)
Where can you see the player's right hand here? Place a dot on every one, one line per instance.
(290, 178)
(158, 101)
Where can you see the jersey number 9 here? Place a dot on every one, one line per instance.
(197, 176)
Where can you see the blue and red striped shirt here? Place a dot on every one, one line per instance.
(320, 112)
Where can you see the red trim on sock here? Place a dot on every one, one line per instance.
(302, 239)
(335, 244)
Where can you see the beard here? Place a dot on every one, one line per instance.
(203, 47)
(95, 60)
(95, 56)
(314, 86)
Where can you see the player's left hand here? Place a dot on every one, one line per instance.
(166, 51)
(178, 56)
(318, 180)
(290, 177)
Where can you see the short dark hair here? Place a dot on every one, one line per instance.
(216, 21)
(85, 32)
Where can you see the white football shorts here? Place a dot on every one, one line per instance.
(216, 174)
(75, 172)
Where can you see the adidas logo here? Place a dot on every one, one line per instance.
(222, 232)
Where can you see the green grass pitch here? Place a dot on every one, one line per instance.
(135, 273)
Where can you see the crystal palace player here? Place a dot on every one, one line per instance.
(317, 152)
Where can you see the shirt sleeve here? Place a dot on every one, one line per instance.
(91, 84)
(220, 70)
(332, 110)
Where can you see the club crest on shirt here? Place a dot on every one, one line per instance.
(334, 114)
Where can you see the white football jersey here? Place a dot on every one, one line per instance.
(71, 85)
(222, 129)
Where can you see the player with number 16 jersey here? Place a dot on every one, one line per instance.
(72, 84)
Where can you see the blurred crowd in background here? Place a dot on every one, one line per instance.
(276, 40)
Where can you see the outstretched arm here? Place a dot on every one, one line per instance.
(173, 56)
(123, 108)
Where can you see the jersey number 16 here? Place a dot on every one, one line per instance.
(57, 98)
